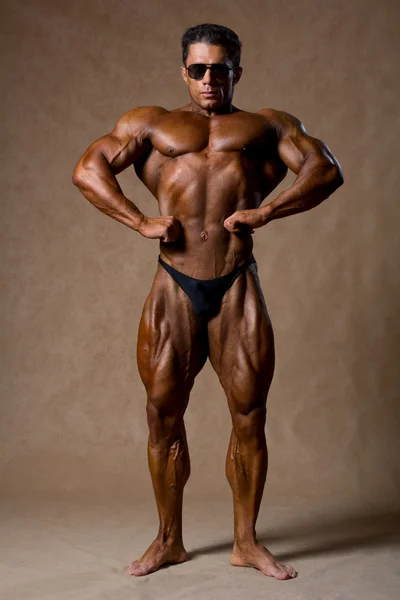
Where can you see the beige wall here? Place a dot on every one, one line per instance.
(74, 281)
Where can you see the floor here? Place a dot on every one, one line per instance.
(70, 548)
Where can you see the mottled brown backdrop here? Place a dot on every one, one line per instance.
(74, 281)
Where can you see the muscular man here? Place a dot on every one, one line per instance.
(209, 165)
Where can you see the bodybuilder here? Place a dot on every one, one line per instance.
(209, 165)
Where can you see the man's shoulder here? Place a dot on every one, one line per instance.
(149, 115)
(283, 121)
(138, 122)
(143, 113)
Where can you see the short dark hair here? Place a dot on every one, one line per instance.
(216, 35)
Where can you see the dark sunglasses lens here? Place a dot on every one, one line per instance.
(220, 71)
(196, 71)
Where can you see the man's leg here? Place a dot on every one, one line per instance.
(242, 353)
(172, 348)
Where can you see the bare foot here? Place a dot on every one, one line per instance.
(155, 556)
(257, 556)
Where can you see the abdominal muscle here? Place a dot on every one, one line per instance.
(201, 190)
(209, 252)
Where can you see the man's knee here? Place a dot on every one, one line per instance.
(165, 411)
(249, 425)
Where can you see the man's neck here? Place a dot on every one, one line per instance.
(225, 109)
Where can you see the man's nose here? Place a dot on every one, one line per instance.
(207, 77)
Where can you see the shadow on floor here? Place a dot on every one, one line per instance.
(327, 534)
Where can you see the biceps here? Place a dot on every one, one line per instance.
(294, 150)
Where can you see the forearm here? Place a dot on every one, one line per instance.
(95, 179)
(311, 187)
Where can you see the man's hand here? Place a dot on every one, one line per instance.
(243, 221)
(166, 229)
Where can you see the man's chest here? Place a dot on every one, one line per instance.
(175, 134)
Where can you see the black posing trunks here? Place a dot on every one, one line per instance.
(206, 294)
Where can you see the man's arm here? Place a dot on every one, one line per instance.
(95, 173)
(318, 174)
(318, 171)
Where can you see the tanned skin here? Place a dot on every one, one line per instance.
(209, 165)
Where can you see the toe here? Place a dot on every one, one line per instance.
(137, 572)
(135, 569)
(282, 575)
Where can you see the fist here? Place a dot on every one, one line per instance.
(244, 221)
(166, 229)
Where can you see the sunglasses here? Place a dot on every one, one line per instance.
(219, 71)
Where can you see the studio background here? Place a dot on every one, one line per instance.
(77, 503)
(73, 429)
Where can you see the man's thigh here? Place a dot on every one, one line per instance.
(172, 343)
(241, 344)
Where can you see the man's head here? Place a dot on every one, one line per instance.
(211, 59)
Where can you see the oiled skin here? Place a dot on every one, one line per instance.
(210, 166)
(202, 170)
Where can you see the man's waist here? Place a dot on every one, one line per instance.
(208, 262)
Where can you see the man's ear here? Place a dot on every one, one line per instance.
(184, 74)
(237, 75)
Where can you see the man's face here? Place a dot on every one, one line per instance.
(211, 92)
